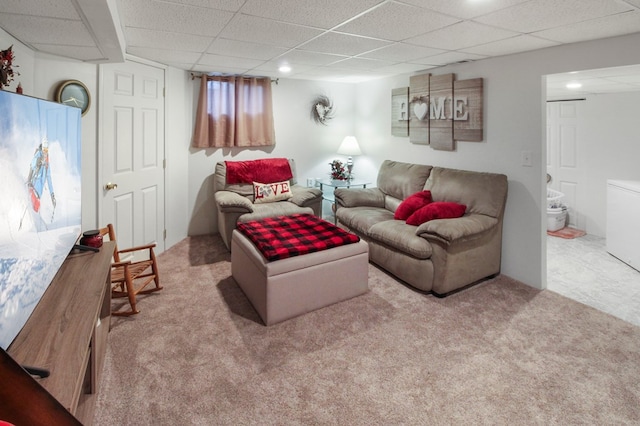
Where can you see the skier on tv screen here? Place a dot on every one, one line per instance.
(39, 174)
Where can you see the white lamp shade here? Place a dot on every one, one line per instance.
(349, 146)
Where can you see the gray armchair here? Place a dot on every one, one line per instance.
(234, 202)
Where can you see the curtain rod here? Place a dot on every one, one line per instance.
(193, 76)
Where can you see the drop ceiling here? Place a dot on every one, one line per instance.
(336, 40)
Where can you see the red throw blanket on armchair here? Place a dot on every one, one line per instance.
(268, 170)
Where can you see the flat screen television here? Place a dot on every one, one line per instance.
(40, 201)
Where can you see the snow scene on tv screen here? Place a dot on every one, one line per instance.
(40, 208)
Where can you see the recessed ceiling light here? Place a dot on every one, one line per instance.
(573, 85)
(284, 68)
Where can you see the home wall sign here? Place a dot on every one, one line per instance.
(400, 111)
(443, 110)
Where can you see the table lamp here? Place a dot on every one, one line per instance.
(350, 147)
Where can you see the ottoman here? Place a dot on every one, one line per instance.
(286, 288)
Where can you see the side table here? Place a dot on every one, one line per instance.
(335, 184)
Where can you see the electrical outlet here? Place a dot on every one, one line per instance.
(527, 160)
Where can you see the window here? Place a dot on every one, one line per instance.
(234, 111)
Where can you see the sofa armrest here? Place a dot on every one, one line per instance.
(359, 197)
(303, 196)
(230, 202)
(462, 229)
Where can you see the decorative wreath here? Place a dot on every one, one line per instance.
(321, 109)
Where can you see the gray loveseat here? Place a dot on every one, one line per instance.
(438, 256)
(235, 202)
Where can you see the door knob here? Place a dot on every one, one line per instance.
(109, 186)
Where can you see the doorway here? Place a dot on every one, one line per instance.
(131, 161)
(582, 269)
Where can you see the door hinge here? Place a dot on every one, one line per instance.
(164, 234)
(164, 163)
(164, 92)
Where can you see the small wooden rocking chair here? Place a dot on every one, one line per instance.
(130, 277)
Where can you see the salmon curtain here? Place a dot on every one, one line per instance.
(234, 111)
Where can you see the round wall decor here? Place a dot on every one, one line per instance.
(321, 109)
(74, 93)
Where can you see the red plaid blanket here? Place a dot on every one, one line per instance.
(287, 236)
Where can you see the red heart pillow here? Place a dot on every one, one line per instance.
(411, 204)
(436, 210)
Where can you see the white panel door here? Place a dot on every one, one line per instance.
(564, 163)
(132, 153)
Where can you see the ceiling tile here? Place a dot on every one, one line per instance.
(82, 53)
(260, 30)
(537, 15)
(34, 29)
(363, 63)
(157, 15)
(165, 40)
(272, 68)
(610, 26)
(319, 14)
(520, 43)
(163, 56)
(449, 58)
(464, 9)
(396, 21)
(403, 68)
(228, 61)
(402, 52)
(243, 49)
(49, 8)
(219, 70)
(343, 44)
(339, 74)
(229, 5)
(461, 35)
(309, 58)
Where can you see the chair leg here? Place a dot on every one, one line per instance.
(131, 295)
(154, 269)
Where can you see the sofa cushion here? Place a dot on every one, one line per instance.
(261, 211)
(436, 210)
(402, 237)
(270, 192)
(411, 204)
(361, 219)
(402, 179)
(483, 193)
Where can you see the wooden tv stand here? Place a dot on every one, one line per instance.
(67, 335)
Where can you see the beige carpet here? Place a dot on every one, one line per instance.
(497, 353)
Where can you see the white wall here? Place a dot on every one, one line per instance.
(514, 121)
(177, 139)
(312, 146)
(611, 143)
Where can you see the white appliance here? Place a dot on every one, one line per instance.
(623, 221)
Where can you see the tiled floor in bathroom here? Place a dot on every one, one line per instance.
(583, 270)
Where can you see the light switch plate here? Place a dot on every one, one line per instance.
(527, 159)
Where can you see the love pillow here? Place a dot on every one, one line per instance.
(270, 192)
(411, 204)
(436, 210)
